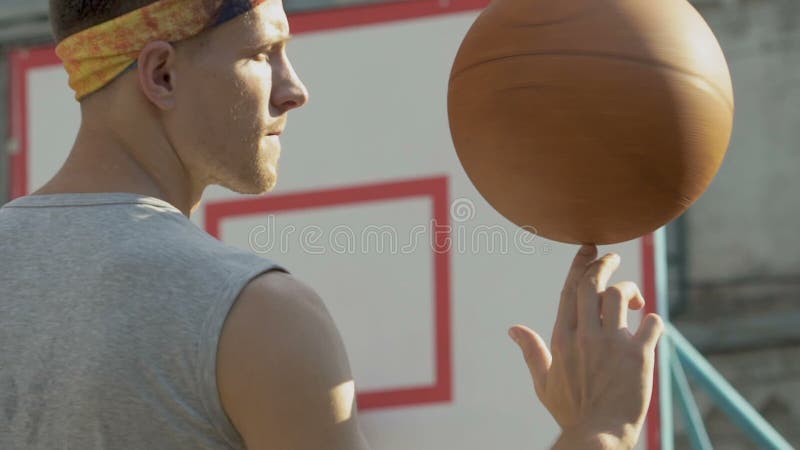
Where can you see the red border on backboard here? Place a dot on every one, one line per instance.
(22, 61)
(653, 423)
(434, 188)
(353, 16)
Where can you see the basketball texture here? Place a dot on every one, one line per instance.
(590, 121)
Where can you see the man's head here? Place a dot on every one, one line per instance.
(68, 17)
(219, 99)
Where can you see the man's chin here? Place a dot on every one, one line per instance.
(263, 187)
(267, 187)
(259, 185)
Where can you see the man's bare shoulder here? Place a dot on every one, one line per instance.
(283, 374)
(279, 290)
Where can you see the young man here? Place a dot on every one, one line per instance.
(125, 326)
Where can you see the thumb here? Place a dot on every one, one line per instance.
(536, 354)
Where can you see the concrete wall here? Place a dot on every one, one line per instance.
(743, 235)
(746, 225)
(743, 249)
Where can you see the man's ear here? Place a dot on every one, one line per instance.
(157, 74)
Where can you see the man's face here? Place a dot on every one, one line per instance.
(235, 88)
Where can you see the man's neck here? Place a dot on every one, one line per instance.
(99, 163)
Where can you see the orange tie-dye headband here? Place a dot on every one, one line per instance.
(95, 56)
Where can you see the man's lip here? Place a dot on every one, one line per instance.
(275, 133)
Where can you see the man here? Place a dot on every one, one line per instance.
(125, 326)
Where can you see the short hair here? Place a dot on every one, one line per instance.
(68, 17)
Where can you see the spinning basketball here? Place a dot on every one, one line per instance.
(592, 121)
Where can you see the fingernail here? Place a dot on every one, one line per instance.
(514, 335)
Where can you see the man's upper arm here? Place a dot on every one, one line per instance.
(283, 374)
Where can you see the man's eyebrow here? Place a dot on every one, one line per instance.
(277, 38)
(272, 41)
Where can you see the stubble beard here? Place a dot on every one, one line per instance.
(256, 175)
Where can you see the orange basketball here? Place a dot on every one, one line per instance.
(592, 121)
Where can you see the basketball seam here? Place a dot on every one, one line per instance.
(631, 59)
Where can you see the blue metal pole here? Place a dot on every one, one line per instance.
(664, 352)
(725, 396)
(691, 414)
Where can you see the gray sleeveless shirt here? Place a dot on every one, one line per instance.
(111, 307)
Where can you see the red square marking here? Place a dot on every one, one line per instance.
(434, 188)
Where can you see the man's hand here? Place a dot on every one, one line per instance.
(598, 380)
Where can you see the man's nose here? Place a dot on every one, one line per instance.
(290, 92)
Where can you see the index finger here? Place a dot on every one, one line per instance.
(567, 308)
(594, 282)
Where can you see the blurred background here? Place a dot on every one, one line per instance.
(734, 258)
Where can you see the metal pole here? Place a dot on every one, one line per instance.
(725, 396)
(664, 347)
(692, 418)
